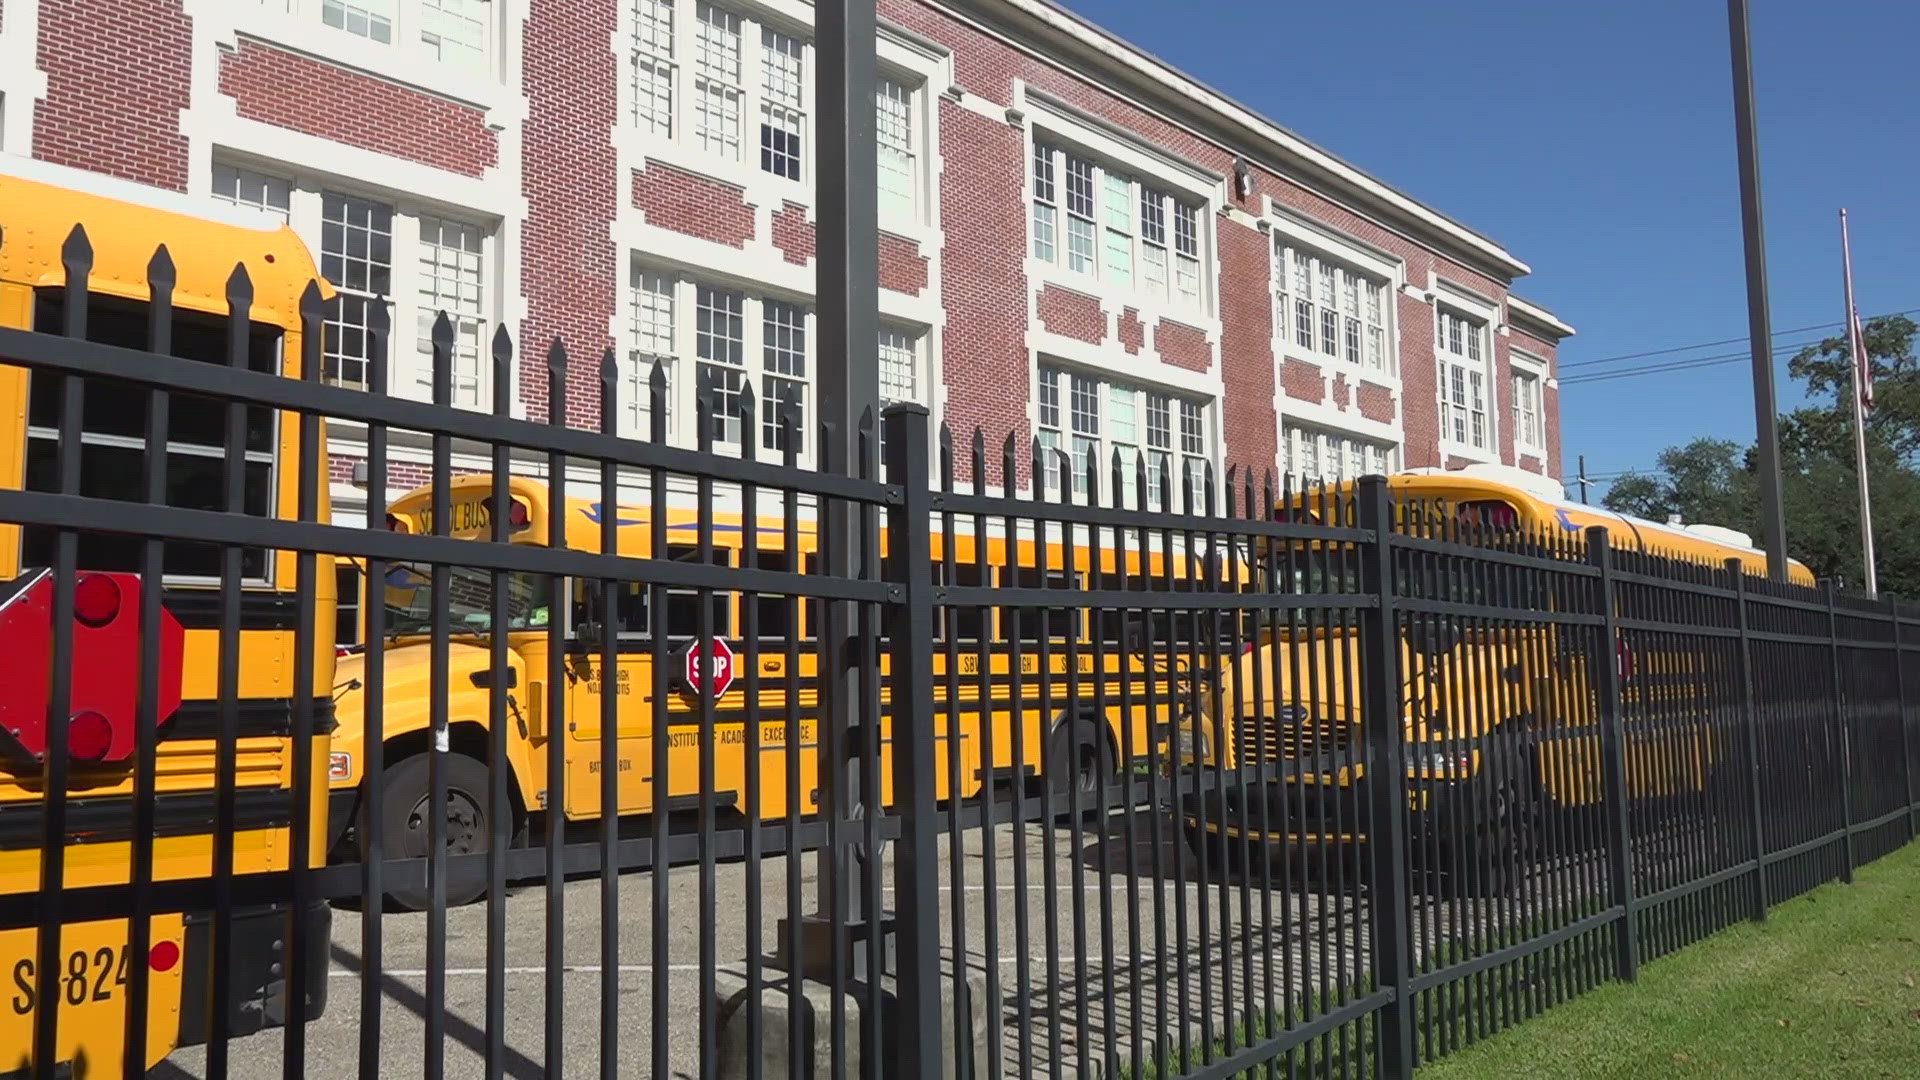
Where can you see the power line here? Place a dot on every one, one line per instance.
(1687, 364)
(1726, 341)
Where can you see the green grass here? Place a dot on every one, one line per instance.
(1826, 987)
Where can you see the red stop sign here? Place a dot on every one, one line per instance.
(711, 668)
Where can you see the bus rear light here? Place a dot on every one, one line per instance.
(89, 736)
(96, 600)
(518, 517)
(394, 524)
(163, 956)
(1492, 514)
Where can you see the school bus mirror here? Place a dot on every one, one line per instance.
(484, 678)
(587, 637)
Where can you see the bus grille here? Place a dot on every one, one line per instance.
(1264, 738)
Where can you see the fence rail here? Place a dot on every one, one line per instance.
(1143, 778)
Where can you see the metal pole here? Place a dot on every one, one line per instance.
(1613, 766)
(847, 280)
(1583, 479)
(1773, 522)
(1381, 724)
(1750, 722)
(1856, 358)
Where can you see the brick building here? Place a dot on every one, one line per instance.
(1080, 244)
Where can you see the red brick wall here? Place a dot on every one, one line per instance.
(1530, 462)
(1246, 350)
(902, 268)
(709, 209)
(569, 268)
(1341, 394)
(1182, 346)
(1302, 380)
(1071, 314)
(983, 281)
(1419, 387)
(1132, 332)
(793, 233)
(1375, 402)
(117, 79)
(300, 93)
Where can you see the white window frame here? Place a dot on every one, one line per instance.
(1157, 252)
(1463, 351)
(1358, 306)
(1313, 453)
(407, 48)
(1083, 431)
(410, 370)
(660, 103)
(1528, 383)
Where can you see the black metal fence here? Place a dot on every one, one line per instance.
(1325, 791)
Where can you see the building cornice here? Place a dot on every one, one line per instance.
(1093, 53)
(1536, 320)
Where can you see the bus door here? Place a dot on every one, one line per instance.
(631, 685)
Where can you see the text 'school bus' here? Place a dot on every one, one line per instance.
(93, 1033)
(1069, 737)
(1500, 720)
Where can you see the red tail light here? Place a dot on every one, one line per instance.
(1248, 650)
(394, 524)
(1623, 654)
(89, 736)
(163, 956)
(517, 515)
(96, 600)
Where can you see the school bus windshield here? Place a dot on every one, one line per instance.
(410, 601)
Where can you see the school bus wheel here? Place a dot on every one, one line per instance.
(1079, 759)
(405, 831)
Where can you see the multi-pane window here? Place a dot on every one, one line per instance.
(783, 380)
(1311, 455)
(1329, 309)
(1091, 420)
(899, 366)
(893, 139)
(1046, 203)
(720, 345)
(1528, 414)
(452, 33)
(1186, 247)
(694, 79)
(244, 187)
(716, 81)
(738, 341)
(385, 256)
(1153, 241)
(356, 255)
(653, 64)
(1117, 228)
(783, 123)
(1460, 343)
(1117, 213)
(1080, 215)
(651, 343)
(450, 279)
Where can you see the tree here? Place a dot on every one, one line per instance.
(1715, 481)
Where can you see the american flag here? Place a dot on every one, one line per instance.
(1862, 367)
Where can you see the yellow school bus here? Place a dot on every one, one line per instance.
(1471, 697)
(1071, 733)
(35, 221)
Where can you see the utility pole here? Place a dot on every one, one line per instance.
(1582, 479)
(1773, 522)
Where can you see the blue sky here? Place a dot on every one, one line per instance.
(1595, 140)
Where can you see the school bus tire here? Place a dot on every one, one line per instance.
(1090, 762)
(405, 831)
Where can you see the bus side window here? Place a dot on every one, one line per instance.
(956, 622)
(777, 616)
(630, 606)
(1061, 620)
(683, 605)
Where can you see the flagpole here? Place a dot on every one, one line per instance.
(1857, 360)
